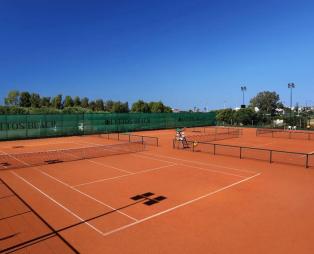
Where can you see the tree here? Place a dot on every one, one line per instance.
(45, 102)
(99, 105)
(167, 109)
(35, 100)
(25, 99)
(108, 105)
(225, 115)
(57, 102)
(92, 105)
(245, 116)
(12, 99)
(119, 107)
(84, 102)
(140, 106)
(266, 102)
(68, 101)
(156, 107)
(77, 101)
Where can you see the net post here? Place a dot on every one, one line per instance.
(270, 156)
(118, 136)
(214, 149)
(130, 138)
(173, 144)
(157, 141)
(307, 161)
(193, 146)
(143, 139)
(272, 134)
(240, 152)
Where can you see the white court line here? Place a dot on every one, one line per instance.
(198, 162)
(205, 169)
(75, 189)
(23, 162)
(109, 166)
(57, 203)
(116, 177)
(83, 193)
(178, 206)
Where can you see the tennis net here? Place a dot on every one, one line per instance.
(255, 153)
(219, 135)
(287, 134)
(22, 160)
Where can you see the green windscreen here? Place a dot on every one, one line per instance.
(54, 125)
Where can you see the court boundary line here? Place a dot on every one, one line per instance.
(121, 176)
(180, 205)
(205, 169)
(40, 217)
(87, 195)
(100, 202)
(56, 202)
(199, 162)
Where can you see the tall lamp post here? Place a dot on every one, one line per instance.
(291, 86)
(243, 89)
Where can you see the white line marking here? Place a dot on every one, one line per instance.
(116, 177)
(56, 202)
(78, 190)
(178, 206)
(198, 162)
(83, 193)
(109, 166)
(11, 155)
(206, 169)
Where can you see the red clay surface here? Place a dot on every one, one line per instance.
(214, 204)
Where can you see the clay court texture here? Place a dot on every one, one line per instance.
(156, 199)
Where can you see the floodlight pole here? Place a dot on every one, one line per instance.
(291, 86)
(243, 89)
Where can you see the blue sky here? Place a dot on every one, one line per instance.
(185, 53)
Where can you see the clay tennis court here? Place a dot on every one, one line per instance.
(155, 199)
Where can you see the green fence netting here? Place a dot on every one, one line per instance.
(54, 125)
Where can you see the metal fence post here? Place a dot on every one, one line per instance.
(307, 161)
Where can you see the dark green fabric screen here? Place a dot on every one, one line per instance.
(40, 126)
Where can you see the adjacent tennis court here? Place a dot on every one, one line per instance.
(132, 193)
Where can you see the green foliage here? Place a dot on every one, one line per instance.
(68, 101)
(12, 99)
(25, 99)
(76, 101)
(108, 105)
(85, 102)
(92, 105)
(35, 100)
(73, 110)
(245, 116)
(120, 107)
(57, 102)
(266, 102)
(45, 102)
(99, 105)
(140, 106)
(225, 115)
(13, 110)
(34, 104)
